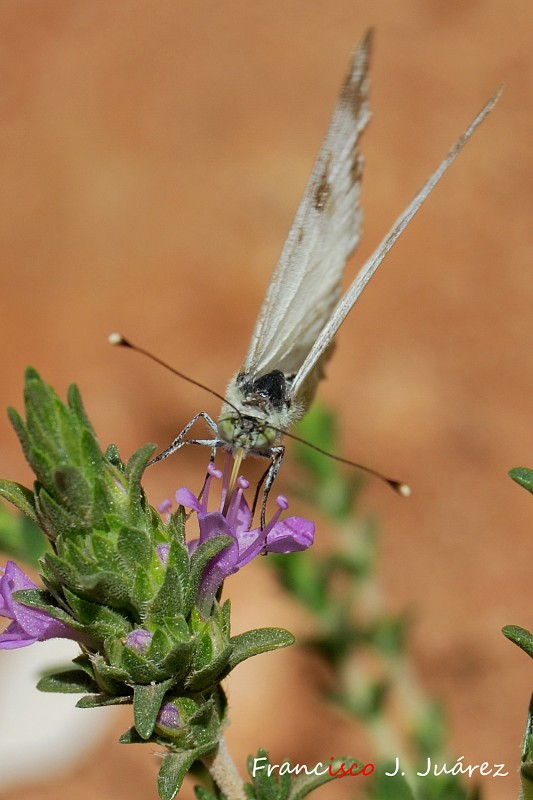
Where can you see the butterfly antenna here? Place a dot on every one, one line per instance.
(120, 341)
(398, 486)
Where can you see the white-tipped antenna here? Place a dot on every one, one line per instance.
(399, 487)
(121, 341)
(117, 339)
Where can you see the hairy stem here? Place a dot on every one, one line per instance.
(225, 773)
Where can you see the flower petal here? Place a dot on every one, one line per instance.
(11, 581)
(29, 624)
(186, 498)
(251, 543)
(223, 564)
(244, 516)
(214, 524)
(290, 535)
(14, 637)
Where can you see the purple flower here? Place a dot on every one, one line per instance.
(169, 717)
(233, 519)
(139, 639)
(28, 624)
(165, 506)
(162, 551)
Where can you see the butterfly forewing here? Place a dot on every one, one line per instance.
(305, 286)
(302, 312)
(344, 306)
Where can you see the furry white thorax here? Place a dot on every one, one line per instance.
(254, 418)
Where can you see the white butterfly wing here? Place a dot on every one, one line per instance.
(305, 286)
(344, 306)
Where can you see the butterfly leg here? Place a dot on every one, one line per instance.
(275, 454)
(180, 439)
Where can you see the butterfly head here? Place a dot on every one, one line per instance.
(257, 412)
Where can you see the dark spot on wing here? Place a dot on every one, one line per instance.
(323, 190)
(356, 170)
(355, 88)
(353, 94)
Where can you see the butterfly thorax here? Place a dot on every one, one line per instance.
(258, 410)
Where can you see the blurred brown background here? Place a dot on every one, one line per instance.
(152, 156)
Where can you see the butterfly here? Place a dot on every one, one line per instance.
(303, 309)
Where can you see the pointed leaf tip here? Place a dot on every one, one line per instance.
(523, 476)
(521, 637)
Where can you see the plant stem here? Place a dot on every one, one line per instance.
(225, 773)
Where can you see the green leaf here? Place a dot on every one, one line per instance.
(520, 637)
(19, 427)
(76, 405)
(83, 662)
(73, 491)
(133, 471)
(102, 545)
(109, 675)
(389, 634)
(176, 528)
(429, 728)
(138, 668)
(99, 700)
(21, 497)
(62, 572)
(172, 773)
(96, 618)
(225, 617)
(174, 592)
(523, 476)
(366, 700)
(208, 721)
(92, 459)
(113, 456)
(133, 545)
(137, 463)
(146, 704)
(526, 767)
(130, 737)
(20, 538)
(54, 518)
(268, 785)
(106, 586)
(159, 646)
(168, 602)
(104, 683)
(204, 678)
(70, 681)
(260, 640)
(293, 782)
(303, 577)
(44, 425)
(178, 658)
(391, 787)
(203, 794)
